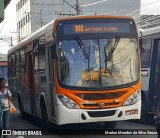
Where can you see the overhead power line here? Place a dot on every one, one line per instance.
(93, 3)
(76, 7)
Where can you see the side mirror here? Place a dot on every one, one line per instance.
(53, 52)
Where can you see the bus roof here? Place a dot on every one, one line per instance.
(151, 31)
(34, 35)
(50, 25)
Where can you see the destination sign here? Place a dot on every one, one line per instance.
(96, 28)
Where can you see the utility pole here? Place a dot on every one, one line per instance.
(18, 34)
(41, 22)
(78, 8)
(11, 42)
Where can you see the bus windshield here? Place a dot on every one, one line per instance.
(110, 62)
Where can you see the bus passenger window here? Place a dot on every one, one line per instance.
(13, 65)
(23, 61)
(36, 58)
(18, 71)
(39, 55)
(145, 46)
(9, 65)
(41, 52)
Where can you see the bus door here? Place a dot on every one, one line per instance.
(50, 79)
(39, 71)
(155, 76)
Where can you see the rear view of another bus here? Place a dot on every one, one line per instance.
(97, 70)
(150, 59)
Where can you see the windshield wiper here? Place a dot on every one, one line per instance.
(108, 57)
(82, 47)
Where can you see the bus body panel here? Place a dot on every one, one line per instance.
(69, 116)
(72, 95)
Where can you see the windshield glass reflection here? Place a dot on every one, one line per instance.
(98, 62)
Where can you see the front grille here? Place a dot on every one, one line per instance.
(96, 104)
(101, 113)
(100, 96)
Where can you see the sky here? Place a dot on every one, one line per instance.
(9, 23)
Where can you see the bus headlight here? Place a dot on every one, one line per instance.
(133, 98)
(67, 102)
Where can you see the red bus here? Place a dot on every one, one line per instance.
(78, 70)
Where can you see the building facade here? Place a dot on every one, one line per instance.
(32, 14)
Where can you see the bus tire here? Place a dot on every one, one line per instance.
(110, 124)
(44, 111)
(22, 114)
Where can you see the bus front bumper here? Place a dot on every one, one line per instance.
(69, 116)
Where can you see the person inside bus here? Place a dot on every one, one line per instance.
(5, 96)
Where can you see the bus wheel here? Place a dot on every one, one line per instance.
(22, 114)
(110, 124)
(44, 112)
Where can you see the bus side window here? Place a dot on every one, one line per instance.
(145, 46)
(41, 57)
(23, 61)
(1, 72)
(141, 45)
(13, 65)
(18, 69)
(9, 65)
(35, 56)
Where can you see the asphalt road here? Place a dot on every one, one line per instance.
(80, 131)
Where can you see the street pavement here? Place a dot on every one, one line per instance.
(76, 131)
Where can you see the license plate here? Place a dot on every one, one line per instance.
(131, 112)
